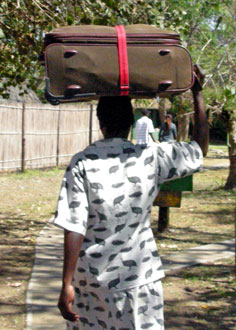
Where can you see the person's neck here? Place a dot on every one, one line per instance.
(113, 135)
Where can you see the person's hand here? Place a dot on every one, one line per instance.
(199, 76)
(65, 303)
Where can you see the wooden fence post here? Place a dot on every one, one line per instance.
(23, 139)
(91, 124)
(58, 137)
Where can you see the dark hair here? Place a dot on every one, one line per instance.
(115, 113)
(167, 125)
(145, 112)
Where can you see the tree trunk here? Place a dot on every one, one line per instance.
(231, 180)
(183, 123)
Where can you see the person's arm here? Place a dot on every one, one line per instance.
(175, 132)
(200, 128)
(72, 245)
(153, 139)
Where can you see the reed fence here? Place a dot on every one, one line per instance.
(34, 135)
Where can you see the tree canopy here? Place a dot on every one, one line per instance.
(206, 27)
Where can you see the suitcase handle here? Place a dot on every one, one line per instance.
(55, 100)
(70, 52)
(164, 52)
(164, 84)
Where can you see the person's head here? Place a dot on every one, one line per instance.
(145, 112)
(168, 118)
(115, 115)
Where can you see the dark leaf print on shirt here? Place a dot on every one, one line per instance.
(92, 156)
(117, 242)
(142, 309)
(130, 164)
(172, 172)
(155, 254)
(81, 254)
(102, 217)
(142, 244)
(96, 185)
(160, 321)
(148, 160)
(102, 324)
(99, 309)
(93, 270)
(119, 228)
(151, 191)
(157, 307)
(99, 241)
(197, 154)
(77, 189)
(98, 201)
(126, 250)
(146, 325)
(142, 295)
(151, 176)
(184, 173)
(148, 273)
(134, 225)
(74, 204)
(94, 295)
(134, 179)
(113, 169)
(131, 278)
(114, 283)
(111, 155)
(118, 185)
(84, 320)
(120, 214)
(137, 210)
(93, 170)
(129, 263)
(146, 259)
(95, 255)
(118, 199)
(143, 230)
(136, 194)
(161, 153)
(95, 285)
(154, 292)
(82, 283)
(65, 184)
(112, 257)
(112, 269)
(100, 229)
(81, 270)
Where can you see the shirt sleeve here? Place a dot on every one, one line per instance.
(150, 126)
(72, 206)
(176, 160)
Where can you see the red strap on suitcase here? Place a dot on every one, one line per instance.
(123, 60)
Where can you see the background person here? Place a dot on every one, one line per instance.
(112, 270)
(144, 128)
(168, 131)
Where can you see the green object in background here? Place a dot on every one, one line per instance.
(181, 184)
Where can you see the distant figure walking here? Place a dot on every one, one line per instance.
(144, 128)
(168, 131)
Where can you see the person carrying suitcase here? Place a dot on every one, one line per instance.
(112, 271)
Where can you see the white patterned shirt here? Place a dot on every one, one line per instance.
(143, 127)
(107, 195)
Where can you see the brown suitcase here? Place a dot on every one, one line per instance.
(89, 61)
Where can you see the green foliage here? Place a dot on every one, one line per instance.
(206, 27)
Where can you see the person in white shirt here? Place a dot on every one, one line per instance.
(144, 129)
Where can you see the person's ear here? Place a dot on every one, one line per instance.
(104, 130)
